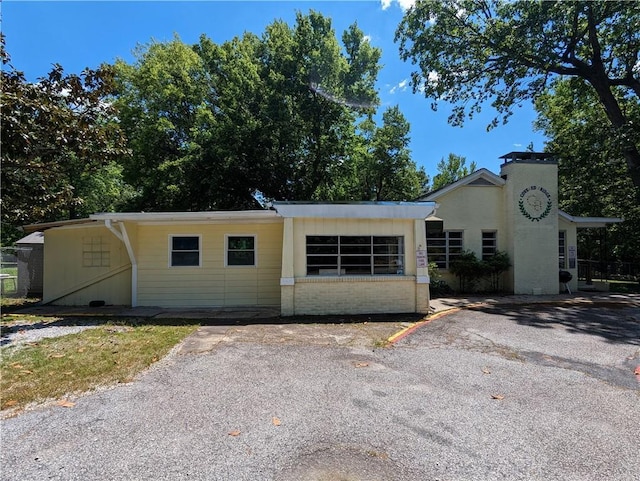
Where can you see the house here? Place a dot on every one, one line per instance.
(515, 212)
(314, 258)
(305, 258)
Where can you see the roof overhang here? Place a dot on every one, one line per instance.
(247, 215)
(492, 179)
(48, 225)
(586, 222)
(357, 210)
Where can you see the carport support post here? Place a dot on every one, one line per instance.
(287, 279)
(422, 273)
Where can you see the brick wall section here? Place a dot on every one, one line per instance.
(352, 296)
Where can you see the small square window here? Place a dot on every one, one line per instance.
(185, 251)
(241, 251)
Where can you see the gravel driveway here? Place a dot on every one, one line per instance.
(540, 394)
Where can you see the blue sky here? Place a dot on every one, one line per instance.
(79, 34)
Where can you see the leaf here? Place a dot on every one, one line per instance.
(235, 432)
(362, 364)
(65, 403)
(17, 366)
(637, 371)
(485, 370)
(57, 356)
(499, 397)
(26, 371)
(10, 402)
(276, 421)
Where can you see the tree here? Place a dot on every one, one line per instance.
(591, 166)
(55, 133)
(469, 52)
(452, 170)
(215, 126)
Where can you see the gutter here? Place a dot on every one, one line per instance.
(124, 238)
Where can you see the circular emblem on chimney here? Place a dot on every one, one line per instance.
(535, 203)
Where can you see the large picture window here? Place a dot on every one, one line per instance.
(443, 246)
(355, 255)
(241, 250)
(185, 251)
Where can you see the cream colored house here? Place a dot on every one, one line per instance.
(303, 258)
(516, 212)
(310, 258)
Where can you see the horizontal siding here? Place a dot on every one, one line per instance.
(211, 284)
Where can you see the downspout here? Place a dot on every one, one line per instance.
(124, 237)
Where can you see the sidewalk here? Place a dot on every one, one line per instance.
(596, 298)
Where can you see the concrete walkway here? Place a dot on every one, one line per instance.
(596, 298)
(247, 313)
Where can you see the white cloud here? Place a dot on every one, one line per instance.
(366, 38)
(403, 4)
(401, 87)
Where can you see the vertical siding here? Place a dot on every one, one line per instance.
(211, 284)
(67, 281)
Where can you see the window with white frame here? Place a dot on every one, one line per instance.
(241, 250)
(355, 255)
(489, 244)
(95, 252)
(562, 249)
(443, 246)
(185, 251)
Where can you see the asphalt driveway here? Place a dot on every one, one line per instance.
(493, 393)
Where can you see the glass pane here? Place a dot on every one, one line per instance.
(355, 260)
(355, 249)
(351, 240)
(241, 243)
(322, 249)
(322, 239)
(386, 249)
(455, 235)
(185, 258)
(184, 243)
(241, 258)
(323, 261)
(434, 228)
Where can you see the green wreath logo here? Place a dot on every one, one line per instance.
(531, 202)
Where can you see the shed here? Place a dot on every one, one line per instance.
(30, 258)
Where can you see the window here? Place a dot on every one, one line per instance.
(185, 251)
(562, 249)
(355, 255)
(95, 252)
(489, 244)
(241, 250)
(443, 246)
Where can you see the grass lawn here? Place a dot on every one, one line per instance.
(111, 353)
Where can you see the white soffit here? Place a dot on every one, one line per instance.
(358, 210)
(589, 221)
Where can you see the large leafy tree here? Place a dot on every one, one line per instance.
(56, 133)
(215, 126)
(592, 180)
(469, 52)
(452, 170)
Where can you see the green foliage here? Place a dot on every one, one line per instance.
(591, 168)
(470, 270)
(55, 133)
(452, 170)
(469, 53)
